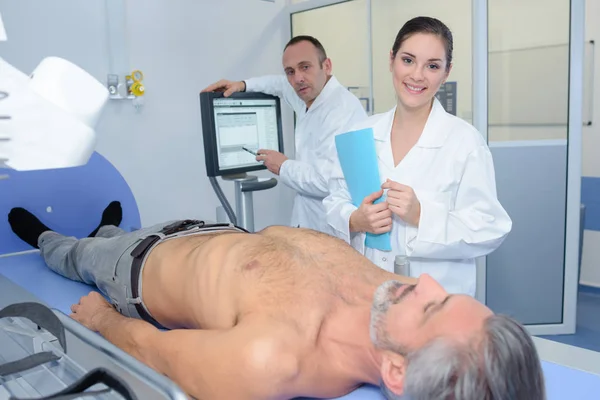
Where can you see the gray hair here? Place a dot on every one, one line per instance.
(502, 364)
(383, 299)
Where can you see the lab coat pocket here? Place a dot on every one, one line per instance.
(433, 222)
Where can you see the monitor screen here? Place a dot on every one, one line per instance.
(235, 127)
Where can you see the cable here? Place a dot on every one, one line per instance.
(223, 199)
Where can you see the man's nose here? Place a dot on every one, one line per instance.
(426, 284)
(299, 77)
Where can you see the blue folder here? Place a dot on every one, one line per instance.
(358, 159)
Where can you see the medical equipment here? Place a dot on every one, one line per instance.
(53, 113)
(47, 121)
(230, 127)
(48, 118)
(402, 265)
(52, 192)
(49, 354)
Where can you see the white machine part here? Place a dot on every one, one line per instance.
(47, 120)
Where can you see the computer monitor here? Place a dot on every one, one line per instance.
(247, 120)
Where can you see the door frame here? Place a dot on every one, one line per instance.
(574, 157)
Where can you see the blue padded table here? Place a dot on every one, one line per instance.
(29, 271)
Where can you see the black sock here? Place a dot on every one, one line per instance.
(112, 215)
(26, 226)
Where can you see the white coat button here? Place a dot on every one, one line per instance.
(384, 259)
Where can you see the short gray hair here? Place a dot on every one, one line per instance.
(502, 364)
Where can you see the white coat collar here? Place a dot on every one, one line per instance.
(434, 133)
(331, 85)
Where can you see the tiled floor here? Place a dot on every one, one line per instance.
(588, 321)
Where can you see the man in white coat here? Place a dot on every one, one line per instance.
(324, 108)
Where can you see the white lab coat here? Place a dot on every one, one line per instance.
(332, 112)
(452, 173)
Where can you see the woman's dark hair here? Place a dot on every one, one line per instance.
(425, 25)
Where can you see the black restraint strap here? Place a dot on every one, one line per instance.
(27, 362)
(136, 266)
(44, 318)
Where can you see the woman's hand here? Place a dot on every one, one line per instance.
(372, 218)
(403, 202)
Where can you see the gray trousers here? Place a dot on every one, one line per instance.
(104, 261)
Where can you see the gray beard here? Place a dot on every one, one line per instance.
(384, 298)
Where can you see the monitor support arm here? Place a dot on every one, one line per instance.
(244, 186)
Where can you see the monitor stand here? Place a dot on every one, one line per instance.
(245, 185)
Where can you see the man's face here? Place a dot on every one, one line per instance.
(409, 316)
(304, 71)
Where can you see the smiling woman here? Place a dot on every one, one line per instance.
(420, 61)
(436, 172)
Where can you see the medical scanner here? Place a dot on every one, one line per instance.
(47, 137)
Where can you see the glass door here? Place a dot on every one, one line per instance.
(535, 70)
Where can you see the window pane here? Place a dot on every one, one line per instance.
(528, 70)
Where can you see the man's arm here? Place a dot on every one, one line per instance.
(247, 361)
(305, 178)
(312, 178)
(276, 85)
(207, 364)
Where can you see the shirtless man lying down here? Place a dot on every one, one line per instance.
(283, 313)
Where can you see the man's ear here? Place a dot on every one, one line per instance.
(328, 66)
(391, 60)
(393, 372)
